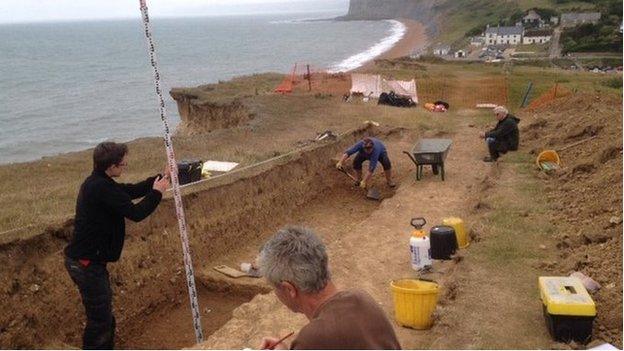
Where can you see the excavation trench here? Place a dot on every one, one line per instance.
(228, 218)
(318, 197)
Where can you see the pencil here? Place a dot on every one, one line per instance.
(281, 340)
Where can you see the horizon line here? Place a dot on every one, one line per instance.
(138, 16)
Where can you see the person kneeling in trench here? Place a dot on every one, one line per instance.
(504, 137)
(373, 150)
(294, 262)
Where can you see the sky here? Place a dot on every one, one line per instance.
(16, 11)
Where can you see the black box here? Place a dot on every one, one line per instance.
(568, 328)
(189, 171)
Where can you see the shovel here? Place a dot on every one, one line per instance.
(372, 193)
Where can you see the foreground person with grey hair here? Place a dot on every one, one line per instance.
(294, 262)
(504, 137)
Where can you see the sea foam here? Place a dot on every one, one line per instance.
(397, 31)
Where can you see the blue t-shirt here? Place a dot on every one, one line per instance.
(378, 149)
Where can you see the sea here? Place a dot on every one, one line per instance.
(68, 86)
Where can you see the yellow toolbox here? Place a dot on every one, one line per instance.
(568, 309)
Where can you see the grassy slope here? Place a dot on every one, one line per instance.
(43, 192)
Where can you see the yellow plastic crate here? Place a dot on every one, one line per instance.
(566, 296)
(569, 311)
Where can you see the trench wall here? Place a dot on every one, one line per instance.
(41, 306)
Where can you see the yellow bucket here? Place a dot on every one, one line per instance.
(548, 160)
(414, 302)
(460, 230)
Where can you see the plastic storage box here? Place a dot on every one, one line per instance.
(189, 171)
(568, 309)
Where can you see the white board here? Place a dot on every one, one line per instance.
(218, 166)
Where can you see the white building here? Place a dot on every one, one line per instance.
(537, 36)
(576, 19)
(441, 50)
(503, 35)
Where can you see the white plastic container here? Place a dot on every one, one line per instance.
(420, 250)
(420, 246)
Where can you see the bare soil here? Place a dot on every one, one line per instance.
(586, 195)
(489, 295)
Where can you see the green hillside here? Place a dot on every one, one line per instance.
(462, 18)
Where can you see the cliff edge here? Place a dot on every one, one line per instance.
(422, 11)
(389, 9)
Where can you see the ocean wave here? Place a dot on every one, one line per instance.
(397, 31)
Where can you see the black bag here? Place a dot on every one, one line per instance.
(393, 99)
(189, 171)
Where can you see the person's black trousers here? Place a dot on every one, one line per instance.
(94, 286)
(360, 158)
(496, 148)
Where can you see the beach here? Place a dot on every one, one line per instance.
(415, 38)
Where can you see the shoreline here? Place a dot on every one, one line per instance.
(415, 38)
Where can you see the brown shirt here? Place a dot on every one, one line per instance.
(349, 320)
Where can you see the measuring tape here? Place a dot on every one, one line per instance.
(173, 168)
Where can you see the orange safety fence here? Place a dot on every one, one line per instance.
(459, 92)
(286, 86)
(307, 78)
(464, 92)
(551, 94)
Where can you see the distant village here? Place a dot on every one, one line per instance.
(532, 36)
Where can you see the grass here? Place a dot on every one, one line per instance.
(535, 48)
(237, 88)
(615, 82)
(517, 224)
(544, 78)
(43, 192)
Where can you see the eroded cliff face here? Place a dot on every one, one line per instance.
(198, 116)
(421, 10)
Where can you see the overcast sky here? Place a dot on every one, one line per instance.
(12, 11)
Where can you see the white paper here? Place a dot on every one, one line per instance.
(218, 166)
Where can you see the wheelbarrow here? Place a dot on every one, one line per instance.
(429, 152)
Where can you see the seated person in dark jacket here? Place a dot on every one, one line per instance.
(99, 233)
(504, 137)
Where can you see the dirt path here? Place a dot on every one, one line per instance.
(374, 251)
(555, 47)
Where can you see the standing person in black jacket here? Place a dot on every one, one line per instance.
(504, 137)
(99, 233)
